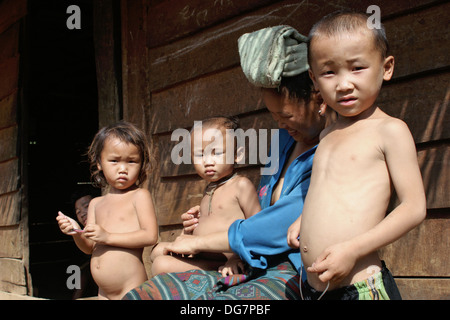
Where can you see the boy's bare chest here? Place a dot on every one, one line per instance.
(350, 150)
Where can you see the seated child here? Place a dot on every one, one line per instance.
(360, 159)
(122, 222)
(227, 197)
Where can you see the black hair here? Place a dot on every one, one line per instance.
(298, 87)
(348, 21)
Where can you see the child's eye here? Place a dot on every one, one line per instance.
(327, 73)
(358, 68)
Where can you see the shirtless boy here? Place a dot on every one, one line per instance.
(122, 222)
(360, 158)
(227, 197)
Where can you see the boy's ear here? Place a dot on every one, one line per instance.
(388, 68)
(311, 75)
(240, 153)
(99, 166)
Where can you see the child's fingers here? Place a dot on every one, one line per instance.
(318, 267)
(325, 276)
(293, 241)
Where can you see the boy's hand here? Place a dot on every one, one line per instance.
(234, 265)
(190, 219)
(96, 233)
(66, 224)
(334, 263)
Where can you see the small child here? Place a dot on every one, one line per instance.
(227, 197)
(360, 159)
(122, 222)
(81, 198)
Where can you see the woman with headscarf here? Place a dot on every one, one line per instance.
(274, 59)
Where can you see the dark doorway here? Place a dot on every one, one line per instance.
(63, 118)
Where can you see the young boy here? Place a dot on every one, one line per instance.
(227, 197)
(123, 221)
(360, 158)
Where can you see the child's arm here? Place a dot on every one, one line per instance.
(84, 244)
(147, 234)
(68, 226)
(401, 157)
(247, 197)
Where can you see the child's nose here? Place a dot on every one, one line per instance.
(123, 168)
(344, 83)
(208, 159)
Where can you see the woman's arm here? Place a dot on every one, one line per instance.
(189, 244)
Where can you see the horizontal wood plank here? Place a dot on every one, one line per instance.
(189, 16)
(434, 163)
(215, 48)
(204, 97)
(424, 289)
(10, 209)
(11, 245)
(420, 41)
(12, 277)
(8, 107)
(422, 252)
(9, 171)
(423, 103)
(8, 143)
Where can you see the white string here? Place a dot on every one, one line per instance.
(300, 285)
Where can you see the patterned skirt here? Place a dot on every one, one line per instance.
(277, 283)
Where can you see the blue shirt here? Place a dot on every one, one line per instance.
(263, 237)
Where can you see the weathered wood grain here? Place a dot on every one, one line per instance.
(11, 245)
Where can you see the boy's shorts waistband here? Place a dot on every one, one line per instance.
(380, 286)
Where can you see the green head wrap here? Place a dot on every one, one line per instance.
(271, 53)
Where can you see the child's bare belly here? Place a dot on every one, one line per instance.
(211, 224)
(117, 270)
(324, 225)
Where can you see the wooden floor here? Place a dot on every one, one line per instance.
(12, 296)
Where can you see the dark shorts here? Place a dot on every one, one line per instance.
(380, 286)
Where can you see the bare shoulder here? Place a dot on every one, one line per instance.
(243, 182)
(325, 131)
(141, 193)
(96, 200)
(391, 127)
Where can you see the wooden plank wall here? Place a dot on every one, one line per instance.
(180, 63)
(13, 220)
